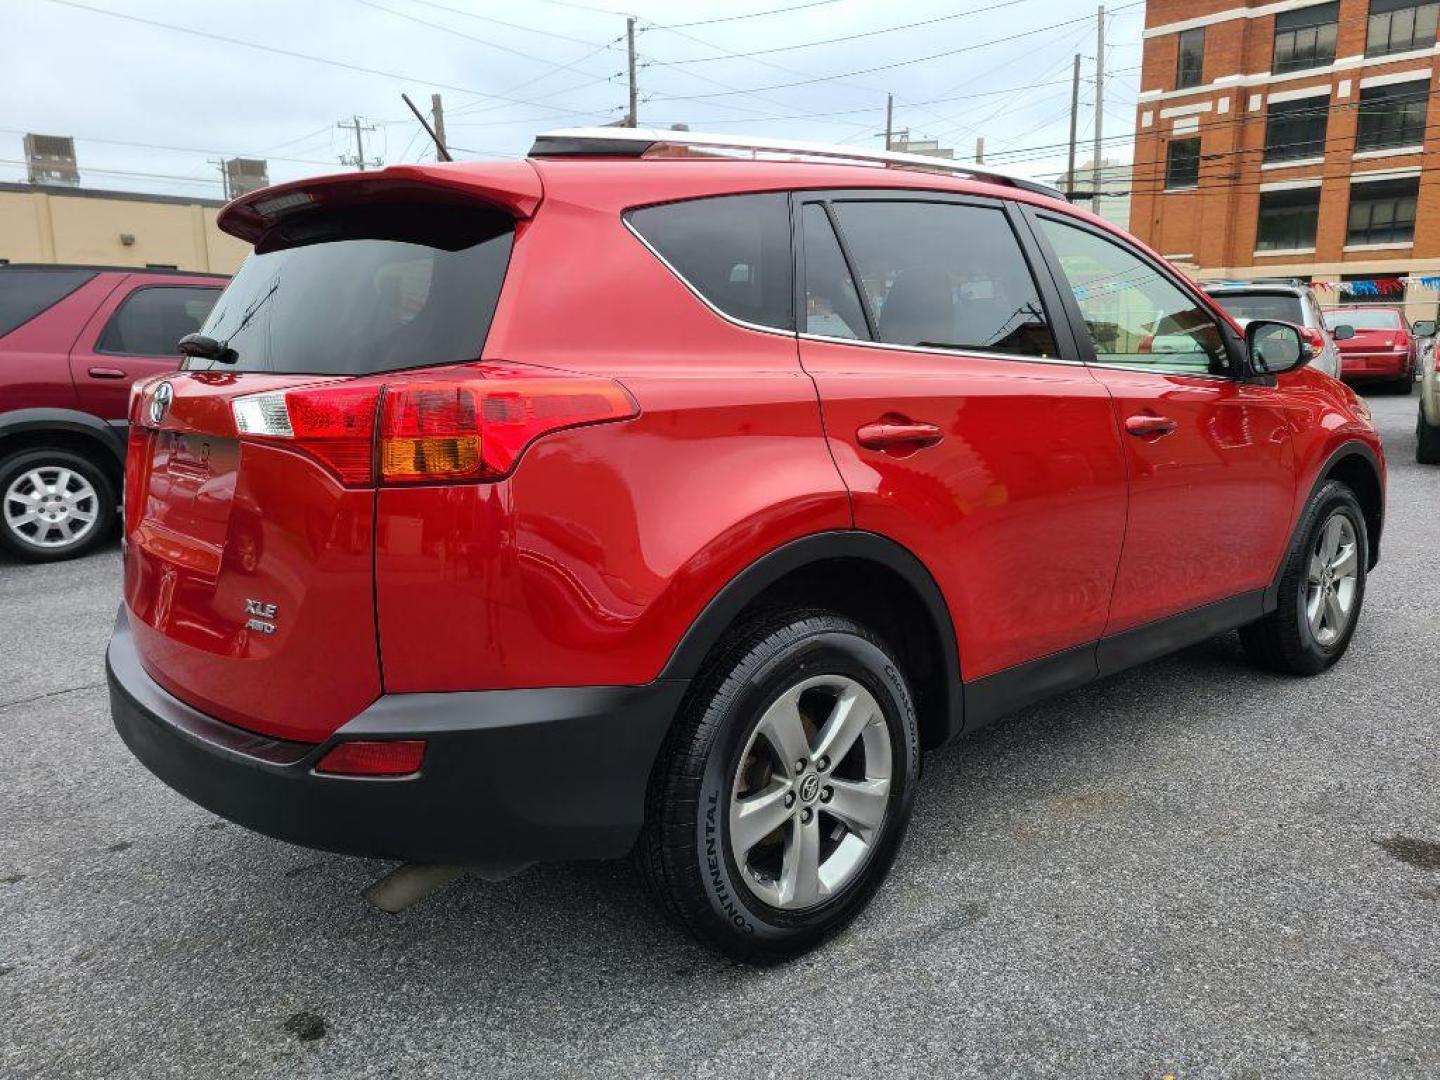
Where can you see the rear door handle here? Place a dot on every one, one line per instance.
(106, 373)
(898, 434)
(1145, 426)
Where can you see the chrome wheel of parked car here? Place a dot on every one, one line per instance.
(51, 507)
(1333, 580)
(811, 792)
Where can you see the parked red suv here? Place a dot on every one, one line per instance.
(629, 498)
(1383, 347)
(72, 340)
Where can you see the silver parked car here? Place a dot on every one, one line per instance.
(1288, 300)
(1427, 424)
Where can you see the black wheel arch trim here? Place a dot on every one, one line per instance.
(1326, 473)
(110, 435)
(745, 587)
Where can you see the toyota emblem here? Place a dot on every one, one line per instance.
(160, 402)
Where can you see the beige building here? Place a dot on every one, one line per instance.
(56, 224)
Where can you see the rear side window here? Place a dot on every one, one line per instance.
(943, 275)
(366, 289)
(26, 293)
(152, 320)
(1279, 306)
(733, 250)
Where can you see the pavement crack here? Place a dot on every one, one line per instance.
(50, 694)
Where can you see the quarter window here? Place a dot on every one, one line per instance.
(1306, 38)
(1296, 129)
(1393, 116)
(1383, 212)
(945, 276)
(1287, 220)
(1189, 69)
(1182, 164)
(734, 251)
(1136, 317)
(1400, 26)
(26, 293)
(152, 320)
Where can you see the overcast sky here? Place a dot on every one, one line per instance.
(508, 70)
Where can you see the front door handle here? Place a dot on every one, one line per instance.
(898, 434)
(106, 373)
(1147, 426)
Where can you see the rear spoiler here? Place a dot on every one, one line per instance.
(513, 186)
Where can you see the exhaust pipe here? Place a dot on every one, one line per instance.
(409, 883)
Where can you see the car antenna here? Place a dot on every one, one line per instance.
(440, 150)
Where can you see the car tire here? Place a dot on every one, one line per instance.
(777, 681)
(1427, 441)
(54, 504)
(1322, 589)
(1405, 385)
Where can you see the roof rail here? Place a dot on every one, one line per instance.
(635, 142)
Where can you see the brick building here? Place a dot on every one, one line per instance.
(1291, 138)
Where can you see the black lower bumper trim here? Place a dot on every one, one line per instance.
(509, 775)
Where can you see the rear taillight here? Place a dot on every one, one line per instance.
(1313, 338)
(475, 426)
(469, 423)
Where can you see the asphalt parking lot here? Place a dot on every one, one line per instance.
(1194, 870)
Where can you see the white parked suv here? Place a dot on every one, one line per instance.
(1287, 300)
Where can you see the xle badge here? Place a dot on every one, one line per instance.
(262, 616)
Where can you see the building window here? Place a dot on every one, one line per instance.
(1401, 25)
(1393, 116)
(1182, 164)
(1191, 66)
(1288, 219)
(1306, 38)
(1296, 129)
(1383, 211)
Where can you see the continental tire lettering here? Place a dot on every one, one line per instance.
(713, 866)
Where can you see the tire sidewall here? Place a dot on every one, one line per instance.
(26, 460)
(1336, 500)
(824, 653)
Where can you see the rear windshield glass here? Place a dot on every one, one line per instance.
(364, 291)
(1275, 306)
(734, 250)
(1360, 319)
(26, 293)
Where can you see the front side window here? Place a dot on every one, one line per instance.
(945, 276)
(152, 320)
(1401, 25)
(1182, 164)
(1136, 317)
(1306, 38)
(733, 250)
(1383, 212)
(1296, 129)
(1288, 220)
(1393, 116)
(1189, 70)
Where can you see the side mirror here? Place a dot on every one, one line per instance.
(1423, 328)
(200, 347)
(1343, 332)
(1276, 347)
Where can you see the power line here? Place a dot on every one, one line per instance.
(193, 149)
(880, 67)
(748, 15)
(500, 22)
(846, 37)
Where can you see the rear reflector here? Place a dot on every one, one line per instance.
(398, 757)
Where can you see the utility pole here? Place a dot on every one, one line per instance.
(1099, 105)
(1074, 122)
(437, 117)
(980, 150)
(889, 121)
(358, 159)
(632, 118)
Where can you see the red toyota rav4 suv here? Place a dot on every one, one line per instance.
(72, 340)
(630, 499)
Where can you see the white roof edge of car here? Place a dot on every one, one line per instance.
(604, 138)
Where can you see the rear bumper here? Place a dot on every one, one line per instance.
(1386, 365)
(510, 776)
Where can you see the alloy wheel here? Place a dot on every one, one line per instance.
(1332, 580)
(810, 794)
(51, 507)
